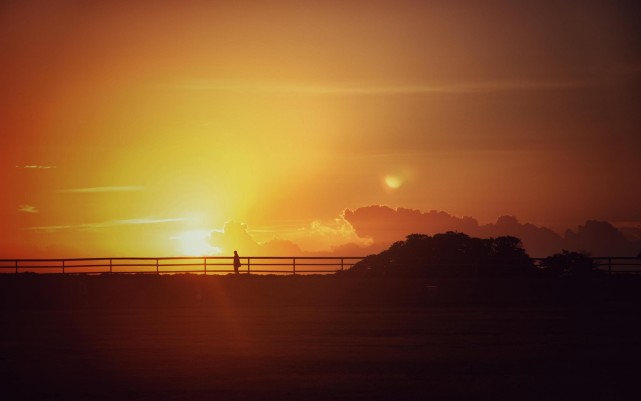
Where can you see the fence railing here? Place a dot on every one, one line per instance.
(611, 264)
(173, 265)
(619, 265)
(250, 264)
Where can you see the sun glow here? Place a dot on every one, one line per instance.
(196, 243)
(393, 181)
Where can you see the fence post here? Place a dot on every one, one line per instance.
(111, 265)
(342, 266)
(205, 266)
(249, 265)
(157, 271)
(294, 265)
(63, 267)
(609, 266)
(16, 266)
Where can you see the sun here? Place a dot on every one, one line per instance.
(393, 181)
(196, 243)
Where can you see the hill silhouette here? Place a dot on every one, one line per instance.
(450, 254)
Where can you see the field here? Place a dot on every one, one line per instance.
(204, 343)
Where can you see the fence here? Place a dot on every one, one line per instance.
(224, 264)
(611, 264)
(173, 265)
(619, 265)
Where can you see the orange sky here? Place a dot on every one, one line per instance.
(133, 128)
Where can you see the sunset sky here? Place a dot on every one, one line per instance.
(134, 128)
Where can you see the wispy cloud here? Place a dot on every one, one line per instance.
(456, 88)
(142, 221)
(105, 189)
(28, 209)
(36, 167)
(279, 228)
(106, 224)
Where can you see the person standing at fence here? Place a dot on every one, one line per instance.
(236, 262)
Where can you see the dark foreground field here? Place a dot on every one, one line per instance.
(233, 338)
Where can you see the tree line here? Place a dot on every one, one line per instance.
(455, 254)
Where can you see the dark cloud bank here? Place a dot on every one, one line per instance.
(386, 225)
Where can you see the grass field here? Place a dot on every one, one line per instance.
(320, 352)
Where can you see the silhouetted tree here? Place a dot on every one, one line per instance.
(451, 254)
(566, 263)
(507, 255)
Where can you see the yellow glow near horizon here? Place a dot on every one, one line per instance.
(196, 243)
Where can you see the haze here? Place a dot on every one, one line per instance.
(136, 128)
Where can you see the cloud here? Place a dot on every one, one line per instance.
(105, 189)
(365, 90)
(105, 224)
(36, 167)
(234, 236)
(631, 233)
(385, 225)
(281, 247)
(278, 229)
(314, 239)
(601, 238)
(328, 235)
(142, 221)
(538, 241)
(28, 209)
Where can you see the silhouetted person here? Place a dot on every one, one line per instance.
(236, 262)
